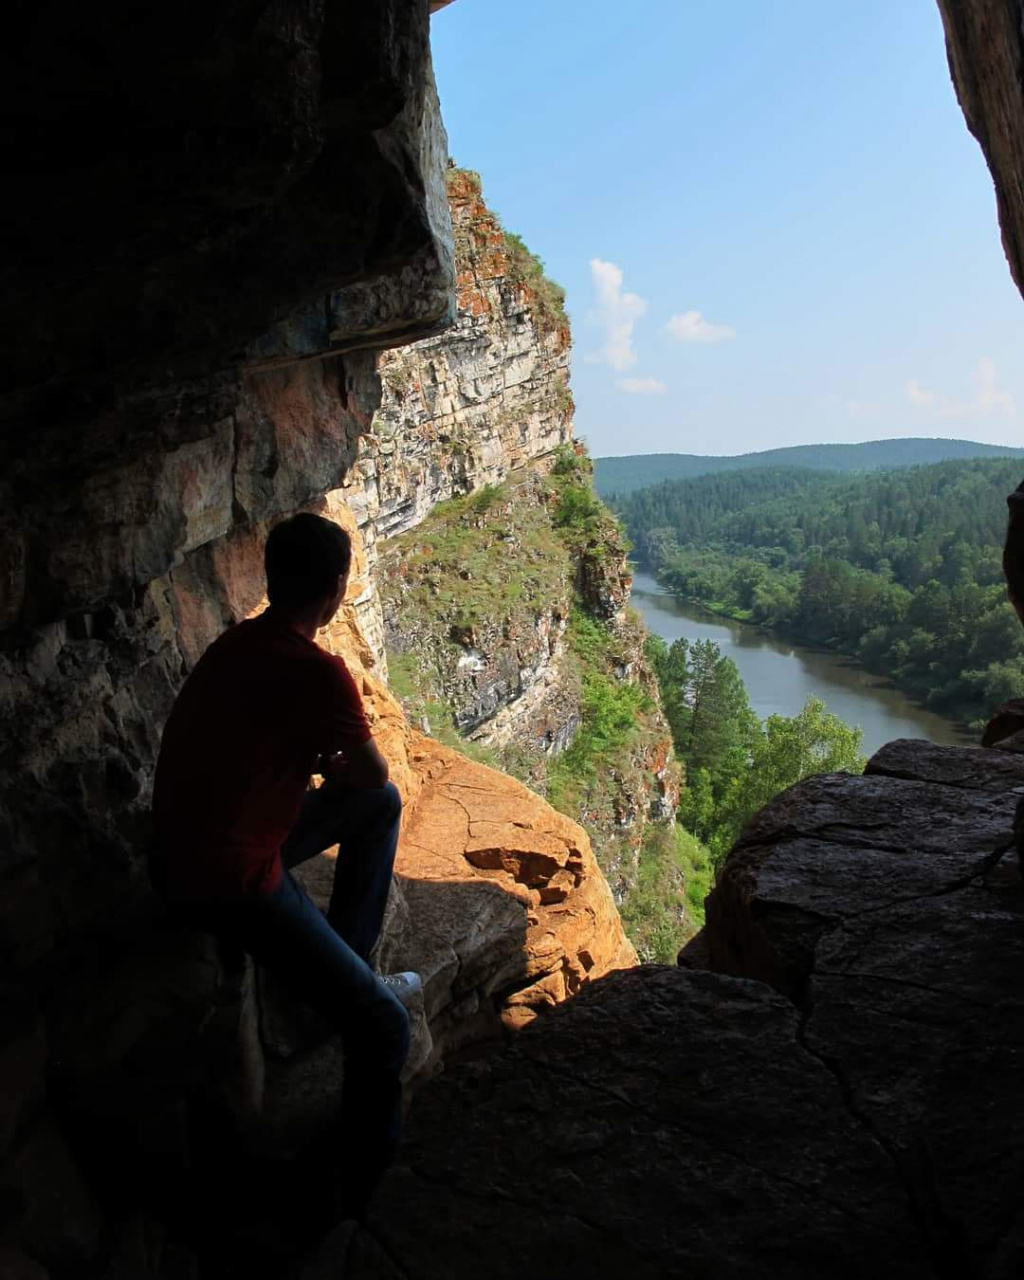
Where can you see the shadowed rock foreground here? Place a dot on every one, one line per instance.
(691, 1122)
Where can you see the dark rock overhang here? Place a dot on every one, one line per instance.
(985, 46)
(185, 179)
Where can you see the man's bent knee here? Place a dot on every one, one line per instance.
(391, 800)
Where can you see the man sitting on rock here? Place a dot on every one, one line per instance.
(263, 710)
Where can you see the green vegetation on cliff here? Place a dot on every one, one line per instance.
(468, 564)
(611, 712)
(735, 763)
(674, 876)
(467, 592)
(526, 269)
(900, 569)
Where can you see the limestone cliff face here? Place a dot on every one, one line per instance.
(459, 489)
(484, 398)
(462, 412)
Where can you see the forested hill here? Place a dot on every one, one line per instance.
(911, 518)
(621, 476)
(900, 568)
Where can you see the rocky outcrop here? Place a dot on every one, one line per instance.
(468, 408)
(633, 1135)
(176, 228)
(922, 822)
(985, 45)
(476, 603)
(856, 1114)
(457, 489)
(505, 625)
(1006, 721)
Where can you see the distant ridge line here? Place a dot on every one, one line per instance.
(625, 474)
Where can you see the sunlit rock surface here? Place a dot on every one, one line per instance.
(485, 404)
(466, 408)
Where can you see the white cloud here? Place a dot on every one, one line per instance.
(987, 398)
(641, 386)
(917, 395)
(616, 313)
(864, 410)
(692, 327)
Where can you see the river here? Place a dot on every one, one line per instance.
(780, 677)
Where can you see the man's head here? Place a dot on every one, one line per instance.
(1013, 552)
(307, 561)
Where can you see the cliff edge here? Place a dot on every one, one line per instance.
(833, 1092)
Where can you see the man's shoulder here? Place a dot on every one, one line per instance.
(334, 667)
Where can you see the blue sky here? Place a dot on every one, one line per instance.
(771, 221)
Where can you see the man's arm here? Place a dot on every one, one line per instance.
(360, 766)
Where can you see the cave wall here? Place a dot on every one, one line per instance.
(200, 286)
(192, 278)
(985, 46)
(171, 424)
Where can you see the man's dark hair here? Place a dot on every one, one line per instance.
(1013, 552)
(304, 557)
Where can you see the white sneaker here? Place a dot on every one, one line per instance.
(403, 985)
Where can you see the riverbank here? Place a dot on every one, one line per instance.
(781, 674)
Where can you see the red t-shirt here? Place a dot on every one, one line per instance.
(241, 743)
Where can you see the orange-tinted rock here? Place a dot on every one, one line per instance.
(468, 833)
(500, 893)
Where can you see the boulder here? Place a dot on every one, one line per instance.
(835, 846)
(664, 1123)
(888, 908)
(857, 1115)
(1005, 724)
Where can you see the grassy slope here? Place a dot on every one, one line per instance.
(501, 552)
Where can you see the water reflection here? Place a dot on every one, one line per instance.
(780, 677)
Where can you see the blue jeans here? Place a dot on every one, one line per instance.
(325, 960)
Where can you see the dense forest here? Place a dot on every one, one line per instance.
(617, 477)
(899, 568)
(735, 763)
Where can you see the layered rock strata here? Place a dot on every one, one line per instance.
(856, 1114)
(475, 597)
(470, 407)
(511, 629)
